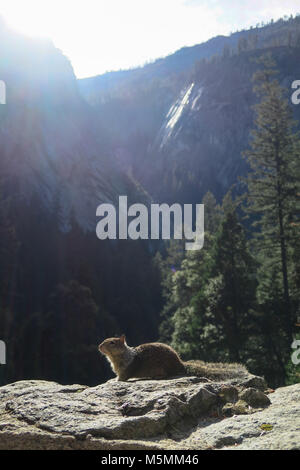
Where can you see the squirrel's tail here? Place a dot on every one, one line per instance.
(215, 370)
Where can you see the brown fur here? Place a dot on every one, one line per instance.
(159, 361)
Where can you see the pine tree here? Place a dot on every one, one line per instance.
(167, 267)
(272, 182)
(213, 213)
(213, 294)
(184, 279)
(189, 302)
(231, 290)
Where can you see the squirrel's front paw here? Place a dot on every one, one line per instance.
(121, 379)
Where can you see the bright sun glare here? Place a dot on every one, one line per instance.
(102, 35)
(29, 17)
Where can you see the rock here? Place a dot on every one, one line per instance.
(228, 393)
(254, 397)
(143, 414)
(255, 382)
(228, 409)
(240, 407)
(246, 432)
(113, 410)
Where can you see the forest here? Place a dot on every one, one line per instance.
(240, 295)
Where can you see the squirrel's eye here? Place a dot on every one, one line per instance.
(112, 342)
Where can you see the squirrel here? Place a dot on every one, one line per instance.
(160, 361)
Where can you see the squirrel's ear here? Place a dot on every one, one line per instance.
(123, 339)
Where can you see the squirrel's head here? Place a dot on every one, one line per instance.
(113, 346)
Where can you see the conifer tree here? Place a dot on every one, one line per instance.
(272, 182)
(231, 291)
(184, 276)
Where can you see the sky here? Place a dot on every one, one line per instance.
(104, 35)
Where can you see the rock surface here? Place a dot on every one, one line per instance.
(181, 413)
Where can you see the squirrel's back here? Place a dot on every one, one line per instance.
(159, 361)
(156, 360)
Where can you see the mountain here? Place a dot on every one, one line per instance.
(260, 36)
(77, 143)
(180, 124)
